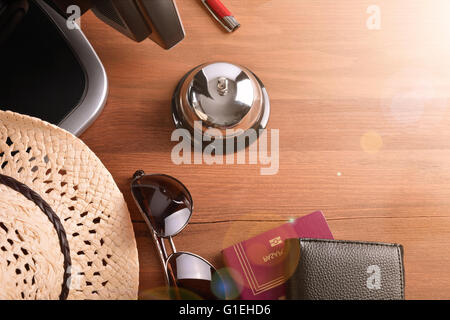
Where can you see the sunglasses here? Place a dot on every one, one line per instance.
(166, 206)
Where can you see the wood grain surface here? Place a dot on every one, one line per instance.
(362, 115)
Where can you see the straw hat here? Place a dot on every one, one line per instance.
(65, 230)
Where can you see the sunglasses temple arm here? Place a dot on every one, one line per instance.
(172, 245)
(163, 248)
(159, 242)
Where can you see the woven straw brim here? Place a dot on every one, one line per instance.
(69, 177)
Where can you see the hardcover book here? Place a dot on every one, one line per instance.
(259, 265)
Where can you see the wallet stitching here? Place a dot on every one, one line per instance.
(400, 272)
(351, 242)
(368, 244)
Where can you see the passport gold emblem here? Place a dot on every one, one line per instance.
(275, 241)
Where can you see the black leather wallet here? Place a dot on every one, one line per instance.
(345, 270)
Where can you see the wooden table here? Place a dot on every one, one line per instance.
(363, 119)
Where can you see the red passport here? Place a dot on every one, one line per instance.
(258, 265)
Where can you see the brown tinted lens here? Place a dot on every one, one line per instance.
(191, 273)
(165, 201)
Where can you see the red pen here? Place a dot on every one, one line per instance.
(222, 14)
